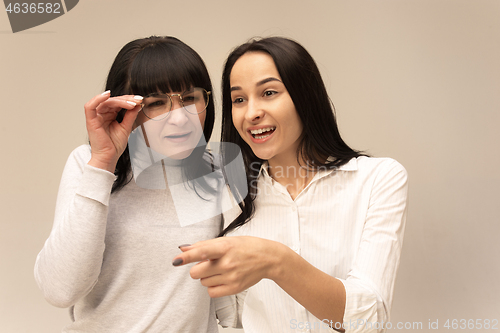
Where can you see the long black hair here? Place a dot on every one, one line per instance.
(321, 138)
(153, 64)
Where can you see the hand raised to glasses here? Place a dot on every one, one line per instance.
(229, 265)
(108, 138)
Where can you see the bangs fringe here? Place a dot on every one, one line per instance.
(164, 68)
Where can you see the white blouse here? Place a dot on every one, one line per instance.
(349, 223)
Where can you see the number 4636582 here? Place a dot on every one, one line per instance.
(34, 8)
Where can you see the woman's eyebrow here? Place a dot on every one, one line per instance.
(269, 79)
(261, 82)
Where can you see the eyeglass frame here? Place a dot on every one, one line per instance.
(172, 103)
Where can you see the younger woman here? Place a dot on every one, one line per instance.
(318, 241)
(116, 221)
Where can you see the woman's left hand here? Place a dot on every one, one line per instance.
(229, 265)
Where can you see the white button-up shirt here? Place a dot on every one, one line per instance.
(349, 223)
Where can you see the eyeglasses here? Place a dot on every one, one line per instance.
(157, 106)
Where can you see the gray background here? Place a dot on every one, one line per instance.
(418, 81)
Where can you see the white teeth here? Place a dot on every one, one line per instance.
(261, 136)
(262, 130)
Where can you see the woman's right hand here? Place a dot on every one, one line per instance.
(108, 138)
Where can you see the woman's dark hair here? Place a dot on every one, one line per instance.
(320, 138)
(153, 64)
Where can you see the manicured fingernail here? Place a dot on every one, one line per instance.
(177, 262)
(131, 103)
(106, 92)
(139, 98)
(184, 245)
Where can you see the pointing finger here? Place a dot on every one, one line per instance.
(211, 249)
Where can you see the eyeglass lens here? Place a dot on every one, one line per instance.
(194, 101)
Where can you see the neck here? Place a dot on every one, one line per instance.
(289, 173)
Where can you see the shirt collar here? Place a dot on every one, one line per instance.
(352, 165)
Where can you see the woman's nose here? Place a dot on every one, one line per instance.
(177, 116)
(254, 112)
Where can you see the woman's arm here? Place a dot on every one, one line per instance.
(67, 267)
(237, 263)
(370, 281)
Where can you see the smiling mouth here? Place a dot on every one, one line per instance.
(263, 132)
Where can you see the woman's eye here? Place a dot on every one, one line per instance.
(155, 104)
(190, 98)
(238, 100)
(270, 92)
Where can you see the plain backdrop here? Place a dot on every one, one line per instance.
(415, 80)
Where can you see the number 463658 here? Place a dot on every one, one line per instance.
(470, 324)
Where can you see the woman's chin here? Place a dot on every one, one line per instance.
(180, 155)
(263, 154)
(175, 154)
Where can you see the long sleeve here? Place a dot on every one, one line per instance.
(370, 282)
(229, 309)
(69, 264)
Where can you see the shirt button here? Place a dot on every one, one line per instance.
(294, 208)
